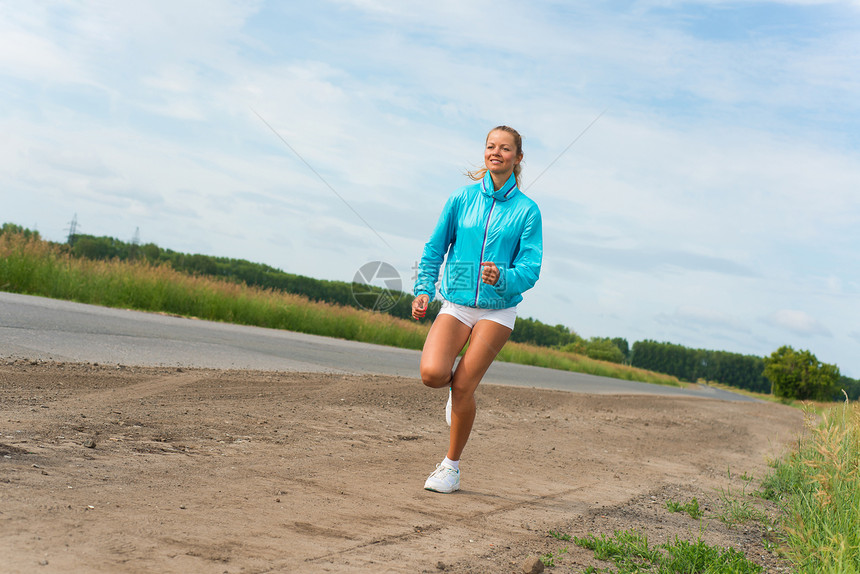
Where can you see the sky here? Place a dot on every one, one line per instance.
(697, 163)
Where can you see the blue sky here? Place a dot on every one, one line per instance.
(713, 204)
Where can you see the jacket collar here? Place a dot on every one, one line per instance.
(504, 193)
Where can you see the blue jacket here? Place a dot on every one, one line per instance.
(481, 224)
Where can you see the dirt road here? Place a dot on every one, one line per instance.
(110, 469)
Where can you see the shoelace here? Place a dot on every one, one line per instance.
(441, 471)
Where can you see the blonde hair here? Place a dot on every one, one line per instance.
(478, 174)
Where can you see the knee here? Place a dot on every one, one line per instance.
(435, 377)
(463, 397)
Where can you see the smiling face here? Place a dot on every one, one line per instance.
(501, 155)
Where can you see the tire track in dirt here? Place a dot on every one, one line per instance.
(116, 396)
(142, 390)
(444, 521)
(84, 412)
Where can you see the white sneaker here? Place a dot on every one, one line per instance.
(448, 409)
(444, 479)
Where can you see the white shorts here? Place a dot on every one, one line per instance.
(471, 315)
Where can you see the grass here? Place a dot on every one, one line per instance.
(817, 407)
(630, 552)
(549, 559)
(32, 266)
(37, 268)
(738, 508)
(747, 393)
(819, 489)
(559, 535)
(691, 508)
(555, 359)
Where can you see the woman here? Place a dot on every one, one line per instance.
(491, 234)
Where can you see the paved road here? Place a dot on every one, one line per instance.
(48, 329)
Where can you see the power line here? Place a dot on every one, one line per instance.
(327, 184)
(576, 139)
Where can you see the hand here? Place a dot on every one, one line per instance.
(489, 273)
(419, 306)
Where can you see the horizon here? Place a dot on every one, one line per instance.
(384, 284)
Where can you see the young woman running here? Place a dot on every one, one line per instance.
(489, 236)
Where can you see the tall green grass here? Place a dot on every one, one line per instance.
(819, 486)
(38, 268)
(32, 266)
(555, 359)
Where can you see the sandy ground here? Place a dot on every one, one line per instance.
(120, 469)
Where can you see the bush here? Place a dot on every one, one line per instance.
(604, 350)
(799, 375)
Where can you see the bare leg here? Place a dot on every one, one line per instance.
(446, 339)
(488, 338)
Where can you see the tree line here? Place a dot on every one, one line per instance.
(741, 371)
(811, 379)
(787, 373)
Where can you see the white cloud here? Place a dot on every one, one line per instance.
(797, 322)
(697, 318)
(27, 50)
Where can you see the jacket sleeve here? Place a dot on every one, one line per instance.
(525, 268)
(435, 249)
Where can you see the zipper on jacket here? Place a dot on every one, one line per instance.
(483, 247)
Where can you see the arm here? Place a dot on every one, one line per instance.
(525, 268)
(434, 251)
